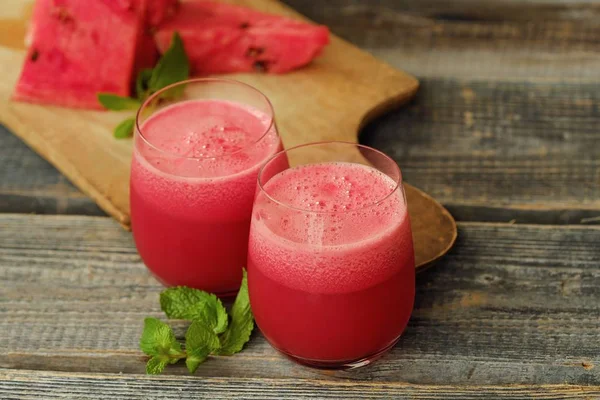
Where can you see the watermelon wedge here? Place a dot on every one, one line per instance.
(159, 10)
(146, 52)
(152, 12)
(78, 49)
(223, 38)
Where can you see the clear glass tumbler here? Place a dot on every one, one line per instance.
(331, 268)
(198, 147)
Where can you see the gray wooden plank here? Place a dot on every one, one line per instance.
(29, 184)
(523, 215)
(25, 385)
(510, 304)
(466, 10)
(491, 40)
(525, 145)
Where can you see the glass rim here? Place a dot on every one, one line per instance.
(398, 185)
(204, 80)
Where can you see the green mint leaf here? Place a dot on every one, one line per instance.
(173, 67)
(118, 103)
(156, 365)
(124, 129)
(213, 314)
(200, 341)
(220, 323)
(193, 304)
(180, 302)
(241, 324)
(142, 82)
(159, 340)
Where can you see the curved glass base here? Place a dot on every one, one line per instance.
(340, 365)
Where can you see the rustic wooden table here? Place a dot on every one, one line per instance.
(505, 131)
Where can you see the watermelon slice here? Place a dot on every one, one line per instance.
(224, 38)
(153, 12)
(159, 10)
(146, 52)
(78, 49)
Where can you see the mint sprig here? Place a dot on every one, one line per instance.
(211, 330)
(173, 67)
(158, 341)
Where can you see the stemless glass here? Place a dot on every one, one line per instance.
(198, 148)
(331, 268)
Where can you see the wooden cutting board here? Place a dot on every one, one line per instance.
(329, 100)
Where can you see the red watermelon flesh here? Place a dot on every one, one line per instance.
(153, 12)
(146, 52)
(223, 38)
(78, 49)
(159, 10)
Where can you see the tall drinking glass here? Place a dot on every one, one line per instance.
(331, 268)
(195, 162)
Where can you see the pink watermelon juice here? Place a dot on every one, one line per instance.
(331, 263)
(193, 179)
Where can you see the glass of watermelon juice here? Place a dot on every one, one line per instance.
(198, 147)
(331, 268)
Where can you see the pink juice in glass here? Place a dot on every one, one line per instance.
(193, 180)
(331, 263)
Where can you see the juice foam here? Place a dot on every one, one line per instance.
(201, 158)
(205, 128)
(330, 228)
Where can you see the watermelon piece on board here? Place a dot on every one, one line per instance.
(159, 10)
(153, 12)
(146, 52)
(78, 49)
(224, 38)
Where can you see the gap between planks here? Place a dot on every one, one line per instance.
(102, 219)
(37, 384)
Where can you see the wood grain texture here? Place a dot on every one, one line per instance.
(25, 385)
(510, 304)
(538, 214)
(29, 184)
(526, 145)
(501, 40)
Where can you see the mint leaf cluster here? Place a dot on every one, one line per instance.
(212, 330)
(173, 67)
